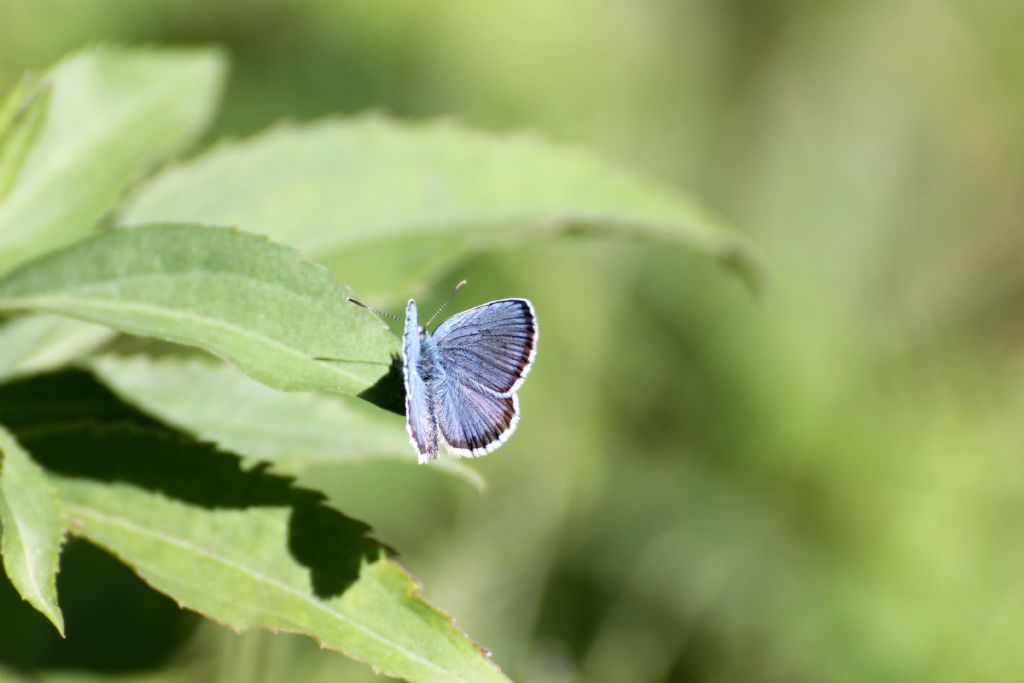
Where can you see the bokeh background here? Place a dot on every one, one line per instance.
(823, 483)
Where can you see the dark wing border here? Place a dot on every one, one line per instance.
(469, 450)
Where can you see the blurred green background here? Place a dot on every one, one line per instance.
(821, 484)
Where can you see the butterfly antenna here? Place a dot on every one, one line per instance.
(371, 308)
(446, 301)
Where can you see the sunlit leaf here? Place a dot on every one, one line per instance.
(390, 204)
(248, 549)
(20, 119)
(43, 342)
(259, 305)
(12, 102)
(292, 430)
(32, 529)
(113, 113)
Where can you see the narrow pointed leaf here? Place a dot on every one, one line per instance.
(391, 204)
(17, 101)
(13, 101)
(248, 549)
(113, 113)
(32, 529)
(259, 305)
(20, 119)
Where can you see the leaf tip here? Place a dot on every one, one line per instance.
(750, 266)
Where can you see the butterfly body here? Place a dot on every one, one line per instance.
(461, 382)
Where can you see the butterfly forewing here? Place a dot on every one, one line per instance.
(492, 345)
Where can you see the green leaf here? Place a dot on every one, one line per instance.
(259, 305)
(44, 342)
(32, 529)
(392, 205)
(70, 395)
(248, 549)
(292, 431)
(113, 114)
(20, 119)
(16, 101)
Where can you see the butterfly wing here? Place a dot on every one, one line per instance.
(486, 353)
(473, 420)
(420, 419)
(492, 345)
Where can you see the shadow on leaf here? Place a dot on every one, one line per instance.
(116, 624)
(61, 398)
(389, 391)
(93, 435)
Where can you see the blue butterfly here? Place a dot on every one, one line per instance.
(461, 381)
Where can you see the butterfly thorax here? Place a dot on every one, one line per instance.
(430, 366)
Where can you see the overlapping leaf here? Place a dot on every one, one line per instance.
(386, 205)
(390, 205)
(291, 430)
(112, 114)
(43, 342)
(240, 545)
(21, 116)
(32, 527)
(256, 304)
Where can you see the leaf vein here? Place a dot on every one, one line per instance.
(61, 304)
(183, 544)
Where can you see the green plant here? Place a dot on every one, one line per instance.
(131, 450)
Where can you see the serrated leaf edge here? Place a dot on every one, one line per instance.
(37, 600)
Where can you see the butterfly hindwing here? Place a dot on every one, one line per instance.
(492, 345)
(474, 421)
(420, 419)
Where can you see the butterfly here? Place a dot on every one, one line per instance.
(461, 381)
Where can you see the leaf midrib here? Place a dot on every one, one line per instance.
(26, 548)
(54, 304)
(88, 287)
(184, 545)
(542, 220)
